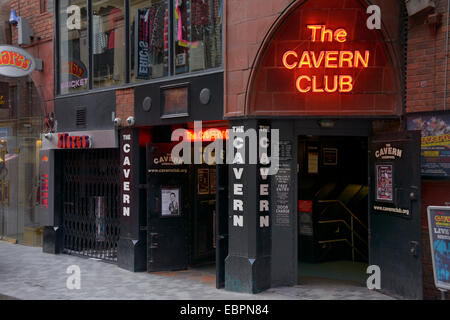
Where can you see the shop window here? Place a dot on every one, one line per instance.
(73, 46)
(197, 35)
(149, 39)
(108, 43)
(163, 38)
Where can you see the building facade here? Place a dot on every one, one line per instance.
(347, 97)
(26, 106)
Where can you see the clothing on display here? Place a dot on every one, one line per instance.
(109, 44)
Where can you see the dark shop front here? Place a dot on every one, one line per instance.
(171, 208)
(347, 193)
(129, 75)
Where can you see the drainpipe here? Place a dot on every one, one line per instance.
(446, 57)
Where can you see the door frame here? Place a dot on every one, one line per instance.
(360, 128)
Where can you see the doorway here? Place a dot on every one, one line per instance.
(333, 208)
(187, 228)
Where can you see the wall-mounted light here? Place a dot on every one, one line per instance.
(25, 32)
(327, 124)
(13, 18)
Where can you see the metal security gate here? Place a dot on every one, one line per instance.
(91, 203)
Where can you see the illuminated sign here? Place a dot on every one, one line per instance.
(207, 135)
(328, 59)
(44, 190)
(73, 142)
(15, 62)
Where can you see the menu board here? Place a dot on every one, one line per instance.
(435, 143)
(439, 230)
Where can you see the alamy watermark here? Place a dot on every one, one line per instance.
(240, 146)
(73, 281)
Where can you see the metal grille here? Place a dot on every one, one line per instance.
(91, 203)
(81, 118)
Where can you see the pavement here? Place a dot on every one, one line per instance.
(28, 273)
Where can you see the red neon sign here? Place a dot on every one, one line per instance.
(207, 135)
(44, 190)
(328, 60)
(73, 142)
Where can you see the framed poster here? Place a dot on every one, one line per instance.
(175, 101)
(439, 230)
(212, 181)
(203, 181)
(435, 142)
(330, 156)
(305, 219)
(385, 184)
(170, 202)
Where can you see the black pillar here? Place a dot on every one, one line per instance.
(247, 267)
(131, 253)
(50, 208)
(284, 208)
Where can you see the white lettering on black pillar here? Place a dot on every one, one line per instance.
(126, 178)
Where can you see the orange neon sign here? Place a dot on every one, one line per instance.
(207, 135)
(328, 60)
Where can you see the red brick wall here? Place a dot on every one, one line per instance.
(124, 104)
(434, 193)
(247, 24)
(426, 63)
(42, 25)
(425, 84)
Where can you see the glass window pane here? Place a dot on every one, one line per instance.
(108, 43)
(149, 39)
(197, 35)
(73, 46)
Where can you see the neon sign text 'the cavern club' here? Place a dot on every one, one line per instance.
(328, 60)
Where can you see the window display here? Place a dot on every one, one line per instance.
(108, 43)
(73, 46)
(197, 35)
(96, 50)
(149, 39)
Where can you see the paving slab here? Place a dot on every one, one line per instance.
(28, 273)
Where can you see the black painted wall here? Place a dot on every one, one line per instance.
(99, 111)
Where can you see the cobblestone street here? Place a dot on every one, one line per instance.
(28, 273)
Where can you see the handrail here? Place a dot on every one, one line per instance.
(346, 208)
(347, 242)
(348, 227)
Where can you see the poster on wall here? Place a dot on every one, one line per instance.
(384, 183)
(305, 220)
(439, 230)
(313, 161)
(435, 155)
(330, 156)
(203, 181)
(170, 202)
